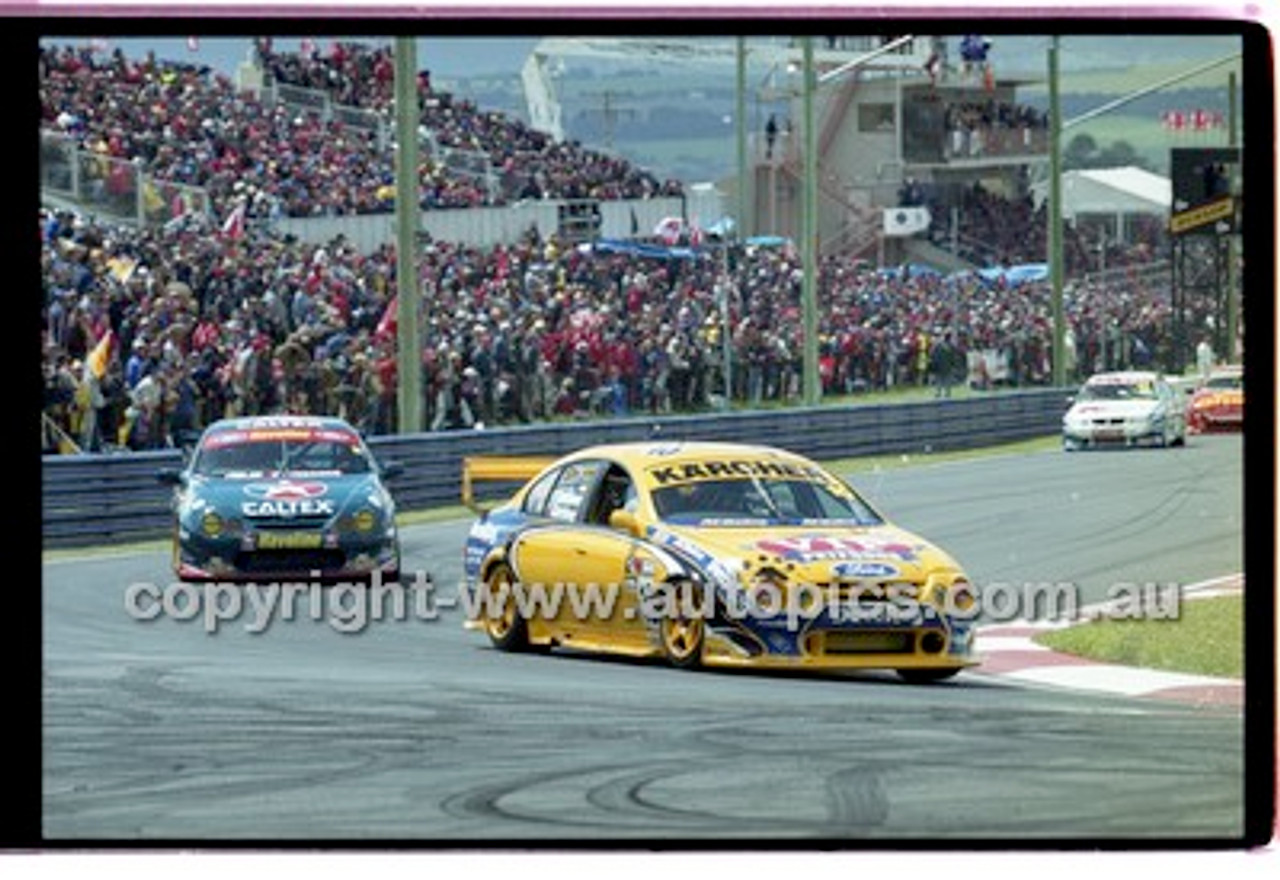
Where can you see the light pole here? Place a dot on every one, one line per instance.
(408, 291)
(740, 117)
(1055, 221)
(809, 226)
(809, 236)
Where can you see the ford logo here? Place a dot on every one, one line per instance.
(864, 569)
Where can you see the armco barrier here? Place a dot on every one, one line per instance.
(108, 499)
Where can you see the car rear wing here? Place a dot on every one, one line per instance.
(495, 468)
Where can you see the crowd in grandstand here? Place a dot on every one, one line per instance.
(151, 333)
(984, 128)
(992, 229)
(186, 124)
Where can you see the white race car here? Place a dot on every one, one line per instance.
(1126, 409)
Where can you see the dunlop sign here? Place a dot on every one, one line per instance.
(1202, 215)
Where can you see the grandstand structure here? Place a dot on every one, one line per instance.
(905, 118)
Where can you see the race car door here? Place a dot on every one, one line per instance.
(571, 569)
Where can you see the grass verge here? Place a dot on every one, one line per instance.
(1206, 639)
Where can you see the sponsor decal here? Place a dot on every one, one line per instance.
(269, 435)
(1202, 215)
(659, 451)
(816, 548)
(1221, 399)
(692, 471)
(864, 570)
(285, 509)
(282, 422)
(285, 490)
(289, 540)
(717, 570)
(483, 534)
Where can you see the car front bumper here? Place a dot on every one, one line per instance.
(244, 558)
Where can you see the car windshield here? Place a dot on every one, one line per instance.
(1118, 391)
(257, 457)
(757, 501)
(1225, 382)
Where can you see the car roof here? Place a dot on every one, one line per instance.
(247, 423)
(1124, 376)
(657, 451)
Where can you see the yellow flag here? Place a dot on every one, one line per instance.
(97, 359)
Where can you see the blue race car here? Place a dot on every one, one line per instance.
(297, 497)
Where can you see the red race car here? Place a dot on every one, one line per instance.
(1218, 404)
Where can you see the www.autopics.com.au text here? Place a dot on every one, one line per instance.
(350, 607)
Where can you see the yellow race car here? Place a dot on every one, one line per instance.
(710, 553)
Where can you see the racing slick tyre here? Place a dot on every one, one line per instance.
(683, 633)
(925, 676)
(507, 630)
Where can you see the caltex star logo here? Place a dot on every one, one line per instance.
(285, 490)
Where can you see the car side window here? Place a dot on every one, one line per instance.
(572, 490)
(535, 503)
(615, 492)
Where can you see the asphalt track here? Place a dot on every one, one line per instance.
(418, 730)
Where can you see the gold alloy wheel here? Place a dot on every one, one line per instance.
(499, 626)
(682, 640)
(503, 624)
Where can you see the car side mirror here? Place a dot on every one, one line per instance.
(1071, 400)
(170, 477)
(391, 470)
(624, 521)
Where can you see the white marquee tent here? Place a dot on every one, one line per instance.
(1110, 191)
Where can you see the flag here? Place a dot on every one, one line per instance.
(121, 268)
(233, 226)
(695, 233)
(931, 67)
(669, 229)
(97, 359)
(387, 324)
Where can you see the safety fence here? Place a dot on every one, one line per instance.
(109, 499)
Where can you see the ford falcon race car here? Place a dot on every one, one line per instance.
(1126, 409)
(717, 554)
(1218, 404)
(282, 496)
